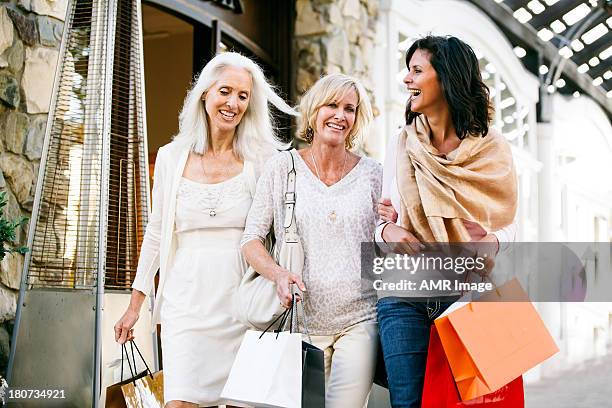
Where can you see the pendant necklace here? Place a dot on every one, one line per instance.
(332, 215)
(212, 211)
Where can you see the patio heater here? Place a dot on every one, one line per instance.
(90, 210)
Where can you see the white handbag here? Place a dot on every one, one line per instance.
(256, 302)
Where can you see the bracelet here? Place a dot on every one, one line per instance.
(383, 231)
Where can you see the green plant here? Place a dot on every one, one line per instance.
(7, 230)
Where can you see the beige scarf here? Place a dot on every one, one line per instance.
(475, 182)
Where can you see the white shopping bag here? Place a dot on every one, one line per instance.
(267, 371)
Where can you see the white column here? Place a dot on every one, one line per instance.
(548, 199)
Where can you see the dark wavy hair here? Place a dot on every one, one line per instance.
(459, 75)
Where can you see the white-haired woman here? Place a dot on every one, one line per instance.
(204, 182)
(336, 194)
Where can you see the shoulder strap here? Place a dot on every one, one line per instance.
(289, 224)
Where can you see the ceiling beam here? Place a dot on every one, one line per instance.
(516, 4)
(598, 70)
(502, 16)
(554, 12)
(556, 40)
(594, 49)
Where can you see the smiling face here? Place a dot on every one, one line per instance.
(423, 84)
(335, 120)
(228, 98)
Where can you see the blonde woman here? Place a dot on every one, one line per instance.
(335, 210)
(204, 182)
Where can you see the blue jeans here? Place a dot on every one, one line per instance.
(404, 327)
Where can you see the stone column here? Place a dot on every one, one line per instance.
(335, 36)
(30, 35)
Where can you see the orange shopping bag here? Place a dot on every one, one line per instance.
(491, 342)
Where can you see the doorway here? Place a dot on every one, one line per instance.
(168, 65)
(177, 45)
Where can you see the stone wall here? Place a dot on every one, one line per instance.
(30, 35)
(335, 36)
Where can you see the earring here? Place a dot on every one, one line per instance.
(309, 134)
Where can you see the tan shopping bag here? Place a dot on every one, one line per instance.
(143, 390)
(114, 393)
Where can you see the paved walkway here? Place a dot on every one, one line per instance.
(588, 387)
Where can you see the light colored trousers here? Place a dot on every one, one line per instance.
(350, 360)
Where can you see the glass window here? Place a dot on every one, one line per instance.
(510, 115)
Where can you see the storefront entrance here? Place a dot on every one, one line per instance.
(180, 37)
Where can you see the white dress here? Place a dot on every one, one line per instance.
(199, 335)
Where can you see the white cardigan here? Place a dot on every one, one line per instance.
(159, 243)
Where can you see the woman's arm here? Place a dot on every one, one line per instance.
(148, 262)
(493, 244)
(123, 327)
(258, 224)
(385, 207)
(505, 237)
(258, 257)
(389, 236)
(261, 214)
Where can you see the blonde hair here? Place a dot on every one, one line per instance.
(256, 132)
(331, 88)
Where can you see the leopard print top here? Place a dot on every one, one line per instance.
(332, 223)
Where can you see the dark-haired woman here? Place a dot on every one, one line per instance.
(448, 177)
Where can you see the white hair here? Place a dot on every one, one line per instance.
(256, 132)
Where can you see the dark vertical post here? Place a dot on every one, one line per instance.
(202, 40)
(215, 37)
(205, 44)
(286, 58)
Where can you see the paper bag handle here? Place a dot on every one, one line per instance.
(287, 315)
(127, 357)
(133, 372)
(482, 279)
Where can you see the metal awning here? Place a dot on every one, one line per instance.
(574, 36)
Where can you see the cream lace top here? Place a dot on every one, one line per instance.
(229, 201)
(332, 223)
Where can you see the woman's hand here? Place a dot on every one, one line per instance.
(487, 249)
(124, 327)
(284, 279)
(401, 240)
(386, 210)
